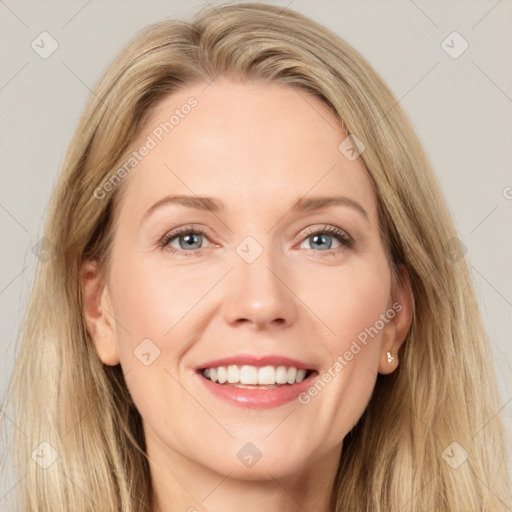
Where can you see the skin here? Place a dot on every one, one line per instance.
(257, 148)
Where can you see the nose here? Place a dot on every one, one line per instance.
(258, 295)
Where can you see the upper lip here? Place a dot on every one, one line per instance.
(256, 360)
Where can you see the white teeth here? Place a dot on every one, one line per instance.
(281, 375)
(301, 374)
(221, 374)
(266, 375)
(233, 374)
(292, 373)
(246, 374)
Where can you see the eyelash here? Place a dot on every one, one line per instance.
(341, 236)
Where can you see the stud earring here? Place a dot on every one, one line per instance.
(390, 357)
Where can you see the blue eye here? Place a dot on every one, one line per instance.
(322, 238)
(323, 241)
(187, 239)
(190, 240)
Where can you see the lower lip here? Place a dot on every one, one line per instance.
(258, 398)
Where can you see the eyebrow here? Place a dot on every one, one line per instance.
(316, 203)
(211, 204)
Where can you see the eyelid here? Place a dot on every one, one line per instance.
(344, 238)
(176, 232)
(329, 229)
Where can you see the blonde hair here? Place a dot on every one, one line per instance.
(444, 390)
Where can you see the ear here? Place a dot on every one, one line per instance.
(396, 330)
(98, 313)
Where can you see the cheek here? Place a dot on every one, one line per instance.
(151, 307)
(350, 306)
(347, 299)
(151, 299)
(156, 313)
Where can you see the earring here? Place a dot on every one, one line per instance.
(390, 357)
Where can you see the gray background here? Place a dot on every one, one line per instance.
(461, 109)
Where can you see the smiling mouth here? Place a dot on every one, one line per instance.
(256, 377)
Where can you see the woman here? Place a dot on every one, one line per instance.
(249, 301)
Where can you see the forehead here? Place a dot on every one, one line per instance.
(248, 144)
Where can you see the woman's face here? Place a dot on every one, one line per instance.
(249, 266)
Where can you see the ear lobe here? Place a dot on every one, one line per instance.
(98, 313)
(403, 305)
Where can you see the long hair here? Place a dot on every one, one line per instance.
(429, 438)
